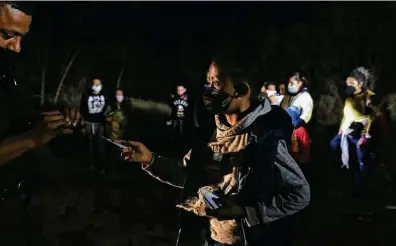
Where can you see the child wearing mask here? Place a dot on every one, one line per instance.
(116, 119)
(92, 108)
(116, 123)
(299, 104)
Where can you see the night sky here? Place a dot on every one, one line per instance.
(162, 28)
(161, 25)
(172, 42)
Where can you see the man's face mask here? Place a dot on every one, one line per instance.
(7, 67)
(97, 88)
(216, 101)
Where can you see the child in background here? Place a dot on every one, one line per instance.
(301, 143)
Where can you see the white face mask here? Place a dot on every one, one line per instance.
(97, 88)
(271, 93)
(120, 98)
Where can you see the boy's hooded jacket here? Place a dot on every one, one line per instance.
(270, 183)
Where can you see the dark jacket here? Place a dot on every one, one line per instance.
(271, 185)
(182, 107)
(93, 107)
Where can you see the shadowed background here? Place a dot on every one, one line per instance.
(156, 46)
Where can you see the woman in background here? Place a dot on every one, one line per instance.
(116, 122)
(116, 119)
(299, 104)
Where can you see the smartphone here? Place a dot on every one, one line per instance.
(121, 146)
(211, 199)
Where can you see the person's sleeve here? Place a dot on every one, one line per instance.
(168, 171)
(307, 107)
(294, 196)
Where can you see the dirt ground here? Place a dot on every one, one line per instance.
(68, 205)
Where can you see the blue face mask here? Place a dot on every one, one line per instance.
(292, 89)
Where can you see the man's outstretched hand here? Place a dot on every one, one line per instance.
(137, 152)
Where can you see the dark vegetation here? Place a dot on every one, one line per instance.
(156, 46)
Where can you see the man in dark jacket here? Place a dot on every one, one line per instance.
(262, 186)
(15, 20)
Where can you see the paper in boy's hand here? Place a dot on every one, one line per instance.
(119, 145)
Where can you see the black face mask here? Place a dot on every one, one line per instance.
(350, 90)
(7, 68)
(216, 101)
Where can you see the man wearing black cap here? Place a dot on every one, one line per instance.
(15, 20)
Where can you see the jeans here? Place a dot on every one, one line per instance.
(360, 169)
(95, 132)
(178, 123)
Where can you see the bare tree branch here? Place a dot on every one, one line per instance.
(64, 75)
(122, 70)
(43, 76)
(67, 57)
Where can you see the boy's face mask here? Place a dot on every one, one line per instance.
(217, 101)
(97, 88)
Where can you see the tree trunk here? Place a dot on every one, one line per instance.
(122, 71)
(64, 75)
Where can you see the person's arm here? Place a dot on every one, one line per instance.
(294, 196)
(168, 171)
(307, 108)
(13, 147)
(370, 116)
(107, 111)
(346, 104)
